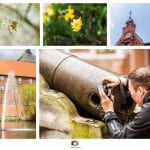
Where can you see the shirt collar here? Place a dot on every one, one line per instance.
(147, 97)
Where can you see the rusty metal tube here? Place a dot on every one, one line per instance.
(74, 77)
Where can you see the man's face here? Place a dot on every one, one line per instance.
(135, 94)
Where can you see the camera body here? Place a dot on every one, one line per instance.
(123, 102)
(108, 90)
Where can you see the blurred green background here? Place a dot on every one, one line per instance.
(89, 21)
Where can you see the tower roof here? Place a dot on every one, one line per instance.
(23, 69)
(27, 56)
(129, 36)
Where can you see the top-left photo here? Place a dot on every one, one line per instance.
(20, 24)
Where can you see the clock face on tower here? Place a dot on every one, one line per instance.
(128, 34)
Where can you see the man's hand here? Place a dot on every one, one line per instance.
(106, 103)
(114, 81)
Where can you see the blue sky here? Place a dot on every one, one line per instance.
(119, 14)
(12, 54)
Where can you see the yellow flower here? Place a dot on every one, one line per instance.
(70, 14)
(45, 18)
(70, 10)
(51, 12)
(76, 24)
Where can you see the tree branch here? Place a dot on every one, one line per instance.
(28, 9)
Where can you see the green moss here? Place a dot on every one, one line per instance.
(105, 133)
(84, 130)
(60, 105)
(12, 119)
(43, 83)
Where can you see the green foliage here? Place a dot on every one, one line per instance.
(28, 95)
(58, 31)
(11, 119)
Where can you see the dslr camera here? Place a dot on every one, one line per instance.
(107, 90)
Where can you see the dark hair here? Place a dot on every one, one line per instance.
(140, 77)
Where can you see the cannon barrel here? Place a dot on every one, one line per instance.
(78, 80)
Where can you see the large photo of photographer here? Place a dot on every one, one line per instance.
(138, 84)
(94, 93)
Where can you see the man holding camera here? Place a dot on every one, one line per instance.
(138, 83)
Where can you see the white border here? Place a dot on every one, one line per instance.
(65, 144)
(108, 24)
(60, 144)
(37, 94)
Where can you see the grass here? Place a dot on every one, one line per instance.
(12, 119)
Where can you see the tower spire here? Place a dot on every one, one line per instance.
(130, 15)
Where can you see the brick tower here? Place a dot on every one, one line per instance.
(129, 37)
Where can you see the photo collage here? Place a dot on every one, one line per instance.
(74, 70)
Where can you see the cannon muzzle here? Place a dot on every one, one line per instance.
(78, 80)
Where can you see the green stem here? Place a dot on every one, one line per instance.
(73, 38)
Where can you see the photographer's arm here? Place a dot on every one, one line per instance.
(137, 128)
(116, 130)
(114, 80)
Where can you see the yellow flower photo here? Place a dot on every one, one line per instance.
(75, 24)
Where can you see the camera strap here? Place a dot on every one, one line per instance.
(124, 103)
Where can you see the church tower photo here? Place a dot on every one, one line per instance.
(129, 36)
